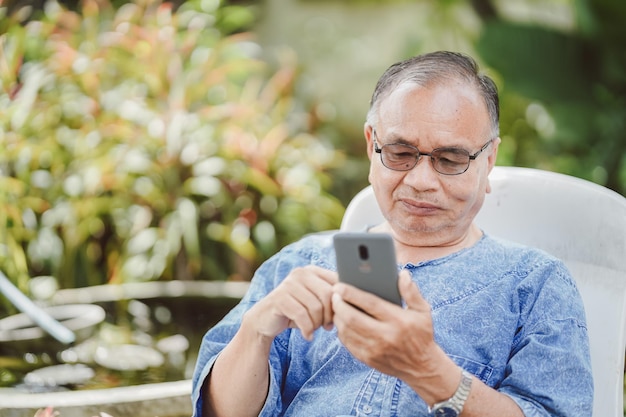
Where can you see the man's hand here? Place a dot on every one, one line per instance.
(302, 300)
(395, 340)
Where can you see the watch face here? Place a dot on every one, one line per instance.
(445, 412)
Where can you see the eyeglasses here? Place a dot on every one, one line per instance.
(446, 161)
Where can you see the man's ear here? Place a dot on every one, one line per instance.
(369, 138)
(491, 160)
(493, 155)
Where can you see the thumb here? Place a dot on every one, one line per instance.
(410, 293)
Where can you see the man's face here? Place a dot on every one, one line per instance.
(421, 205)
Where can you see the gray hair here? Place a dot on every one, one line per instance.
(434, 67)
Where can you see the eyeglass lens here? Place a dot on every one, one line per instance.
(448, 161)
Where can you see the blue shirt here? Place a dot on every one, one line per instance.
(510, 315)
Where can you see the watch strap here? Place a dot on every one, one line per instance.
(457, 401)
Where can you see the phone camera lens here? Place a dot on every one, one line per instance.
(363, 252)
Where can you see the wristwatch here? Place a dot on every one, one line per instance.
(454, 406)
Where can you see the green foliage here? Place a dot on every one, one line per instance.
(557, 58)
(142, 143)
(579, 79)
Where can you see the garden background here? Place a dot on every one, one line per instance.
(148, 141)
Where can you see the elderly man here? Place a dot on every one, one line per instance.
(488, 327)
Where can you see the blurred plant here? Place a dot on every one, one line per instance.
(50, 412)
(576, 80)
(141, 143)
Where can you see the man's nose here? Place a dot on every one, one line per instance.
(423, 174)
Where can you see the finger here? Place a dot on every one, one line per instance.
(274, 313)
(411, 294)
(347, 316)
(322, 289)
(304, 314)
(344, 312)
(369, 303)
(310, 288)
(354, 325)
(327, 275)
(344, 309)
(355, 328)
(297, 314)
(324, 293)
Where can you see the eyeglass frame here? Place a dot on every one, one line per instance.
(471, 157)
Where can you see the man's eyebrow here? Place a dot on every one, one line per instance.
(401, 141)
(459, 147)
(394, 139)
(457, 144)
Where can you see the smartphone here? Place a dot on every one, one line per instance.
(368, 261)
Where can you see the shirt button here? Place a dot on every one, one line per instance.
(366, 409)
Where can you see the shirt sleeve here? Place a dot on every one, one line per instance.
(265, 279)
(549, 372)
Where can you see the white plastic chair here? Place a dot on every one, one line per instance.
(582, 223)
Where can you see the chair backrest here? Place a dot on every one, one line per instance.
(580, 222)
